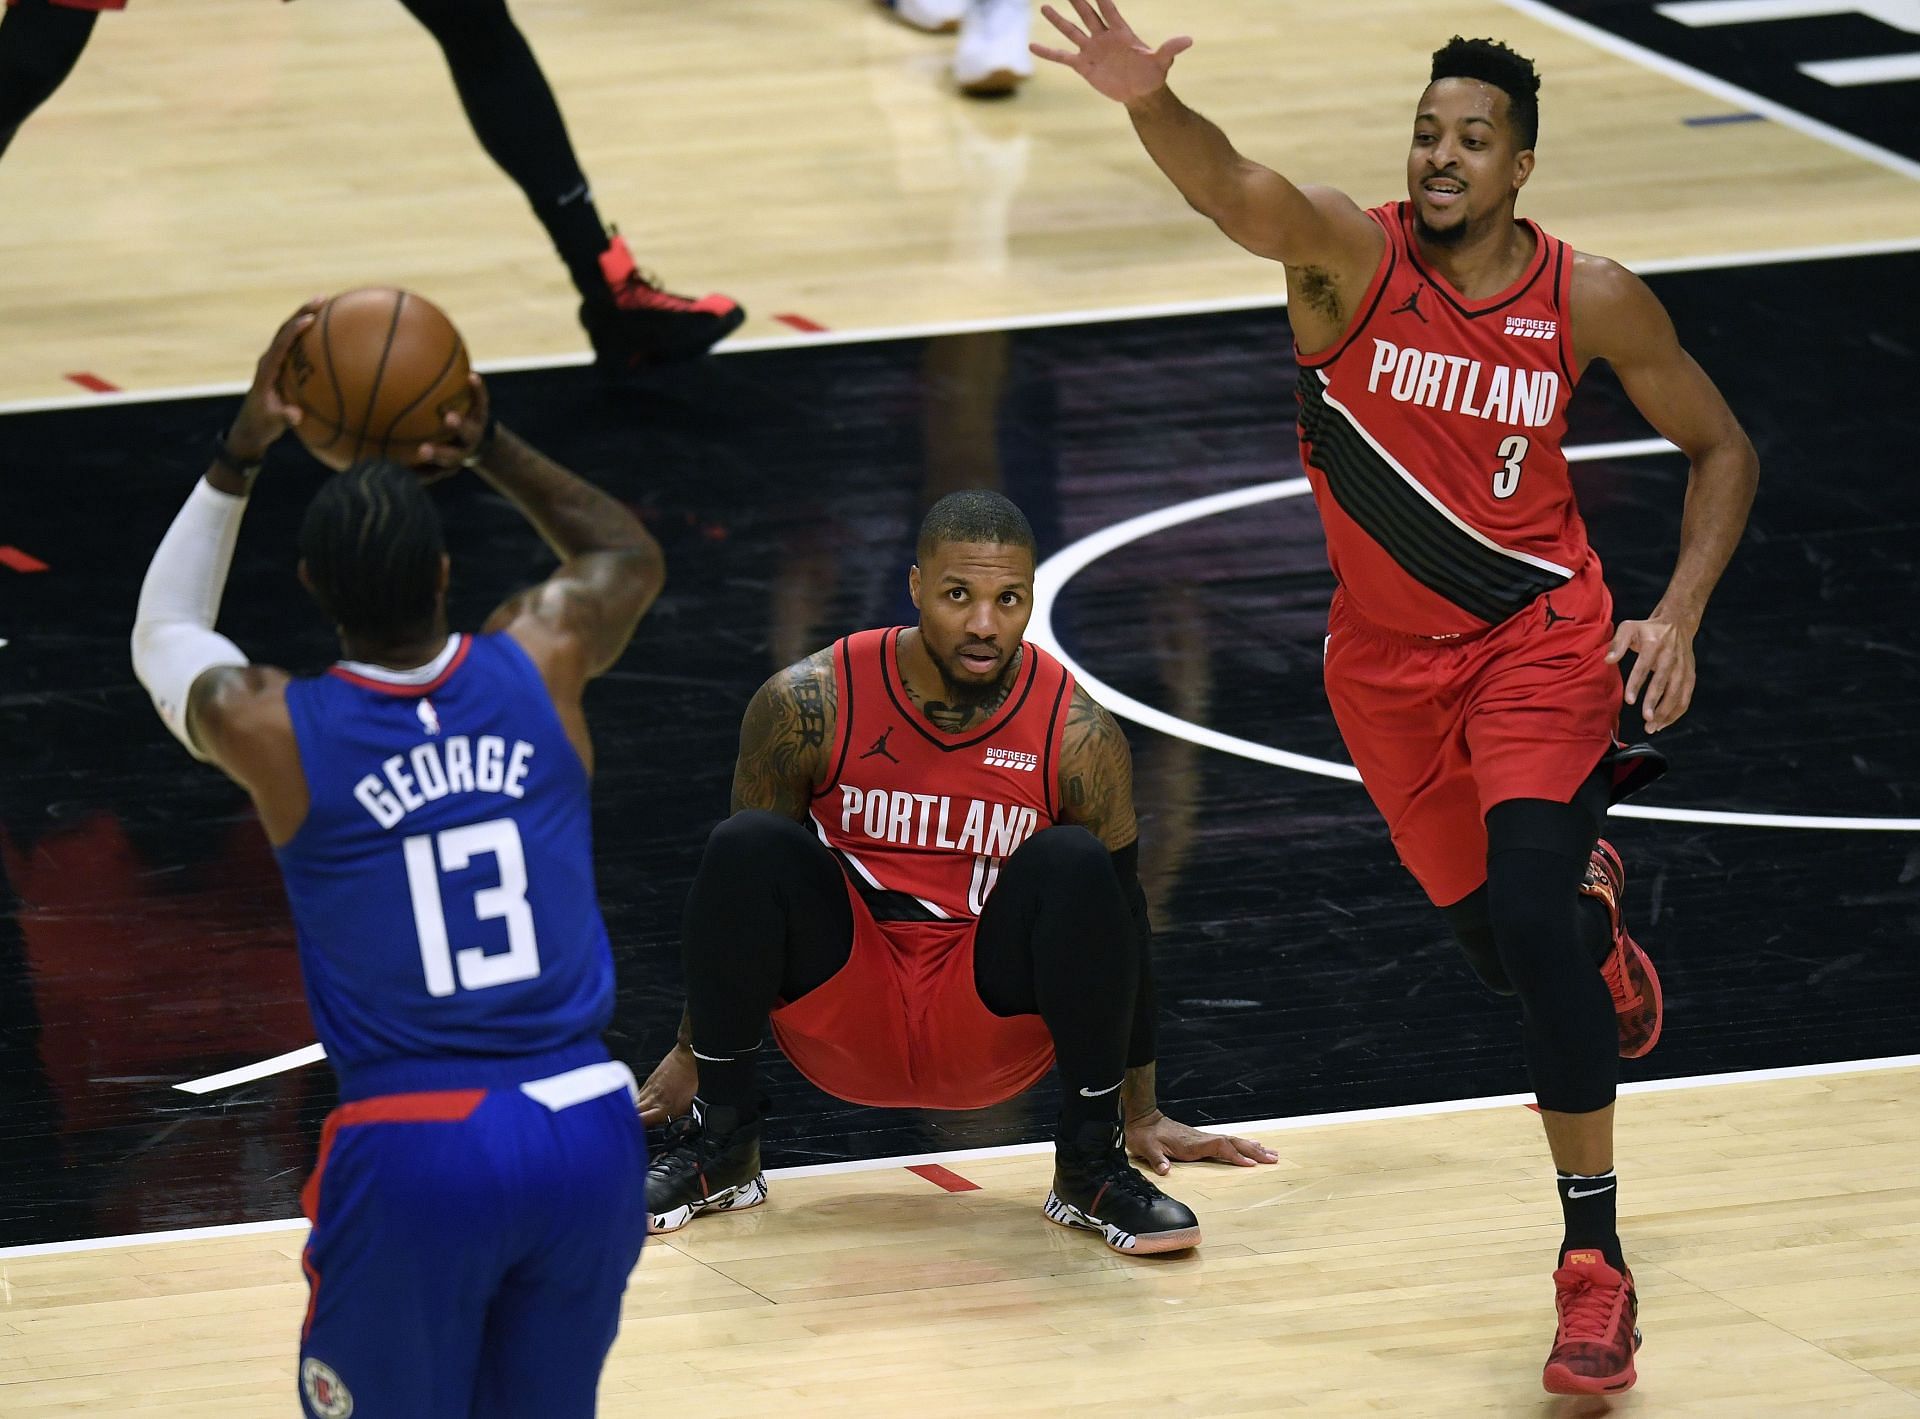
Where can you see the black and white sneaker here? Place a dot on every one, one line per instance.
(1095, 1188)
(709, 1163)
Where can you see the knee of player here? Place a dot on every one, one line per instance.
(749, 835)
(1068, 852)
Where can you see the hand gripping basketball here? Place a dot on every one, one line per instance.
(465, 435)
(267, 413)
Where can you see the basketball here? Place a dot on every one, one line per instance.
(375, 375)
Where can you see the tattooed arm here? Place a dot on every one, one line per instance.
(783, 757)
(1096, 774)
(1096, 792)
(784, 737)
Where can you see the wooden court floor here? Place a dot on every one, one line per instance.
(213, 162)
(1392, 1265)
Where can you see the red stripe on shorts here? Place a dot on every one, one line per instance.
(443, 1106)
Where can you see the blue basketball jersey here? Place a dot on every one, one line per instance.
(442, 883)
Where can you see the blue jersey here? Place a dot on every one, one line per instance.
(442, 883)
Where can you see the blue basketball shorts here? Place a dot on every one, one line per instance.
(470, 1248)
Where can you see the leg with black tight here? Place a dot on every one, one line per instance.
(1057, 939)
(517, 120)
(1537, 854)
(767, 919)
(1471, 918)
(39, 45)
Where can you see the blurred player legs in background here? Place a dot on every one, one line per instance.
(990, 59)
(631, 320)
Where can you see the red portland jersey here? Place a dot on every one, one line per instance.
(922, 820)
(1431, 434)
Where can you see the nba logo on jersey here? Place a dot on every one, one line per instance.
(429, 720)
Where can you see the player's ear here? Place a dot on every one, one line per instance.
(305, 580)
(913, 584)
(446, 575)
(1522, 168)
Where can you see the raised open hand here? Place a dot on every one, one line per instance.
(1108, 54)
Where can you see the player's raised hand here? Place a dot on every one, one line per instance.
(1662, 678)
(1108, 54)
(462, 438)
(668, 1092)
(267, 413)
(1159, 1142)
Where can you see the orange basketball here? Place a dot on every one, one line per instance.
(375, 376)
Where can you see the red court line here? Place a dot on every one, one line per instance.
(20, 561)
(93, 382)
(801, 323)
(943, 1177)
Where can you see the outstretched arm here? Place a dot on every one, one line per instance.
(1096, 792)
(1619, 320)
(1252, 204)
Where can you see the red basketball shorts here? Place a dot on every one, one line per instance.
(902, 1025)
(1441, 730)
(81, 4)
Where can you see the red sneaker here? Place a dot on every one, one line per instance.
(642, 324)
(1631, 979)
(1593, 1348)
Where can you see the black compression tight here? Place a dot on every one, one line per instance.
(768, 919)
(1529, 932)
(39, 45)
(517, 120)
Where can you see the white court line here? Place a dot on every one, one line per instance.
(1719, 88)
(1875, 69)
(1050, 579)
(1017, 1150)
(1699, 13)
(1658, 266)
(247, 1073)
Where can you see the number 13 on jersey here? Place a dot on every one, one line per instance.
(456, 848)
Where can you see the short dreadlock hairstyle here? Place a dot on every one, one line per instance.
(973, 515)
(1491, 62)
(372, 543)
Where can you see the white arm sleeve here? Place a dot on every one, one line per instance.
(173, 636)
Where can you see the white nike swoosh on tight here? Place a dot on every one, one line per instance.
(1573, 1192)
(1096, 1093)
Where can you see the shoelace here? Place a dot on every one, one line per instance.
(1122, 1176)
(1587, 1315)
(643, 289)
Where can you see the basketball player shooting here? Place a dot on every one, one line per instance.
(930, 879)
(476, 1202)
(1471, 658)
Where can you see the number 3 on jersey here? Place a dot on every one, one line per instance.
(1506, 478)
(457, 847)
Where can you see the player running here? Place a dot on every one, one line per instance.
(1471, 656)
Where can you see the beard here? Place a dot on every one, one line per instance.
(1439, 236)
(971, 692)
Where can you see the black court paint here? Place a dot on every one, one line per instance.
(143, 932)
